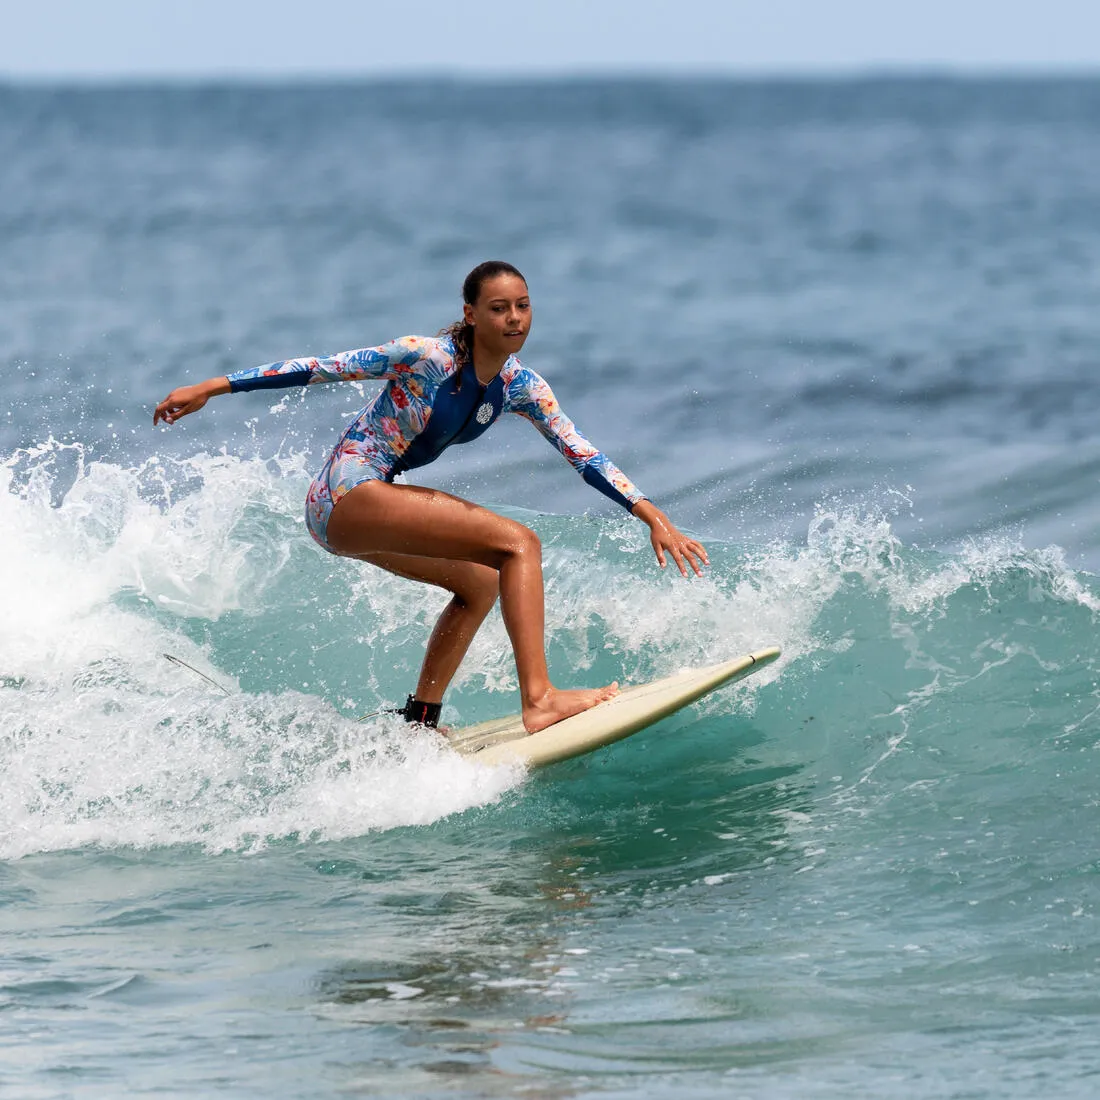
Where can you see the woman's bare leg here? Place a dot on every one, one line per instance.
(378, 517)
(474, 589)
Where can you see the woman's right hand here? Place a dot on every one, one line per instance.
(188, 399)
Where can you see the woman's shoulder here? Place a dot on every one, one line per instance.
(523, 387)
(424, 347)
(420, 354)
(518, 377)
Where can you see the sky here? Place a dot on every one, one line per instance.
(346, 39)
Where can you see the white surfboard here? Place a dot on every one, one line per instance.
(504, 740)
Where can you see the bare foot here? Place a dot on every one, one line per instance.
(556, 705)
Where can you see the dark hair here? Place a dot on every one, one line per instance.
(462, 334)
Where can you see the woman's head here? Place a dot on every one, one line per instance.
(496, 311)
(474, 283)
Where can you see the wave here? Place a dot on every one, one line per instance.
(902, 655)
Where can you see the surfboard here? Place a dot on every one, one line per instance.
(504, 740)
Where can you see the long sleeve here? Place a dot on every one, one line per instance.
(386, 361)
(529, 396)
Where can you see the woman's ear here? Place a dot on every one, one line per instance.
(467, 313)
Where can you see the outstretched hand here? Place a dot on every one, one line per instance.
(666, 539)
(684, 551)
(188, 399)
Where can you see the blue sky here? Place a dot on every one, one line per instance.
(346, 38)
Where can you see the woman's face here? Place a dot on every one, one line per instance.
(502, 314)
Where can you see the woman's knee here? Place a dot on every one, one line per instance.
(522, 541)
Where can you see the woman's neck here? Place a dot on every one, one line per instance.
(487, 364)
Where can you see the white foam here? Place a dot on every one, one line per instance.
(102, 741)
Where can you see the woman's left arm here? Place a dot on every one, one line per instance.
(531, 397)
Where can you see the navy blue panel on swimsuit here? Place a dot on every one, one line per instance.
(463, 408)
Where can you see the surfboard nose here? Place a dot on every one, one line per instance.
(504, 740)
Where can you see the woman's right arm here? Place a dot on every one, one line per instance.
(386, 361)
(189, 399)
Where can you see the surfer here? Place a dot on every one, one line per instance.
(443, 390)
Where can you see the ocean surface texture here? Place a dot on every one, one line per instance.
(846, 333)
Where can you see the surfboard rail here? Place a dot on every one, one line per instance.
(504, 740)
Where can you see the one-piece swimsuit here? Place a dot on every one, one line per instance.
(428, 404)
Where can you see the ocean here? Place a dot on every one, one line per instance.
(843, 331)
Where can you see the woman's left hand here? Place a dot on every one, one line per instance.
(667, 539)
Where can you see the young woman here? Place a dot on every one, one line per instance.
(443, 390)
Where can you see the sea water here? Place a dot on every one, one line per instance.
(843, 332)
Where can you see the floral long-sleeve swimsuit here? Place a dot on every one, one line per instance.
(428, 404)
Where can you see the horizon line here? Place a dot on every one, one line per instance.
(1025, 71)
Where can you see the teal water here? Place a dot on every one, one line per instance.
(876, 850)
(848, 333)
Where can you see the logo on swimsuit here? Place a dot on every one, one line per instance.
(485, 413)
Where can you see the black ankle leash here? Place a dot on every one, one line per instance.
(427, 714)
(414, 710)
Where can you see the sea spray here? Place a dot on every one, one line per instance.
(105, 742)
